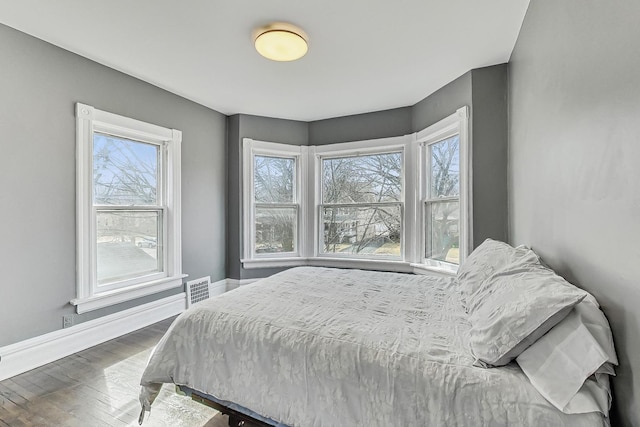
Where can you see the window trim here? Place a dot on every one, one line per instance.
(455, 124)
(250, 149)
(88, 295)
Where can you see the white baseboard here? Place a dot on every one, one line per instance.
(217, 288)
(34, 352)
(234, 283)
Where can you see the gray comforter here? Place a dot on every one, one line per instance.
(329, 347)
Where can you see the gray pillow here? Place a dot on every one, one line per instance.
(514, 307)
(487, 259)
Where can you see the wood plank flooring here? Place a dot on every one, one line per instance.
(99, 387)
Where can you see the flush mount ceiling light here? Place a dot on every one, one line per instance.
(280, 42)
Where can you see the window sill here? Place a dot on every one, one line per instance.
(433, 271)
(105, 299)
(274, 262)
(364, 264)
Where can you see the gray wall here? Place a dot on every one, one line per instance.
(234, 198)
(490, 142)
(442, 103)
(359, 127)
(39, 84)
(574, 87)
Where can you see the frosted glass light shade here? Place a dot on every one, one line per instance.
(281, 44)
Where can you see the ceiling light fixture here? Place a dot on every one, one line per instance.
(280, 42)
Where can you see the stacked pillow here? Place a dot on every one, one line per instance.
(513, 301)
(571, 364)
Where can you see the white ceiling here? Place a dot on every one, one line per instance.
(364, 55)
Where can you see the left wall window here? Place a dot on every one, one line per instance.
(128, 208)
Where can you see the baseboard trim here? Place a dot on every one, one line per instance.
(218, 288)
(34, 352)
(234, 283)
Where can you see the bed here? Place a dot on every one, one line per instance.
(315, 346)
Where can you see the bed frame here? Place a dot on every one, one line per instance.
(236, 418)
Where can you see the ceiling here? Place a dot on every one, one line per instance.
(364, 55)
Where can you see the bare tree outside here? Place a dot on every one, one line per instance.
(274, 179)
(362, 204)
(124, 172)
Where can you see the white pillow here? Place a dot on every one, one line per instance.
(514, 307)
(593, 396)
(485, 260)
(560, 362)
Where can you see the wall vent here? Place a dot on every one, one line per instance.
(198, 290)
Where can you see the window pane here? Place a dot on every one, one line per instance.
(129, 244)
(373, 231)
(275, 230)
(124, 172)
(445, 167)
(274, 179)
(362, 179)
(443, 231)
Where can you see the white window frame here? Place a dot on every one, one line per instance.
(455, 124)
(251, 149)
(400, 144)
(90, 296)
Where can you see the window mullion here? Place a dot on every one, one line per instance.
(442, 199)
(276, 205)
(355, 205)
(129, 208)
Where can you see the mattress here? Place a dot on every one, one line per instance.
(321, 347)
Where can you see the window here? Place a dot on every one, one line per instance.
(445, 194)
(361, 205)
(272, 187)
(128, 216)
(400, 203)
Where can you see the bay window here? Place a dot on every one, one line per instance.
(400, 203)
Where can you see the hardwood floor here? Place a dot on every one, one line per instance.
(99, 387)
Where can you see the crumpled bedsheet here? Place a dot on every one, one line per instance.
(319, 347)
